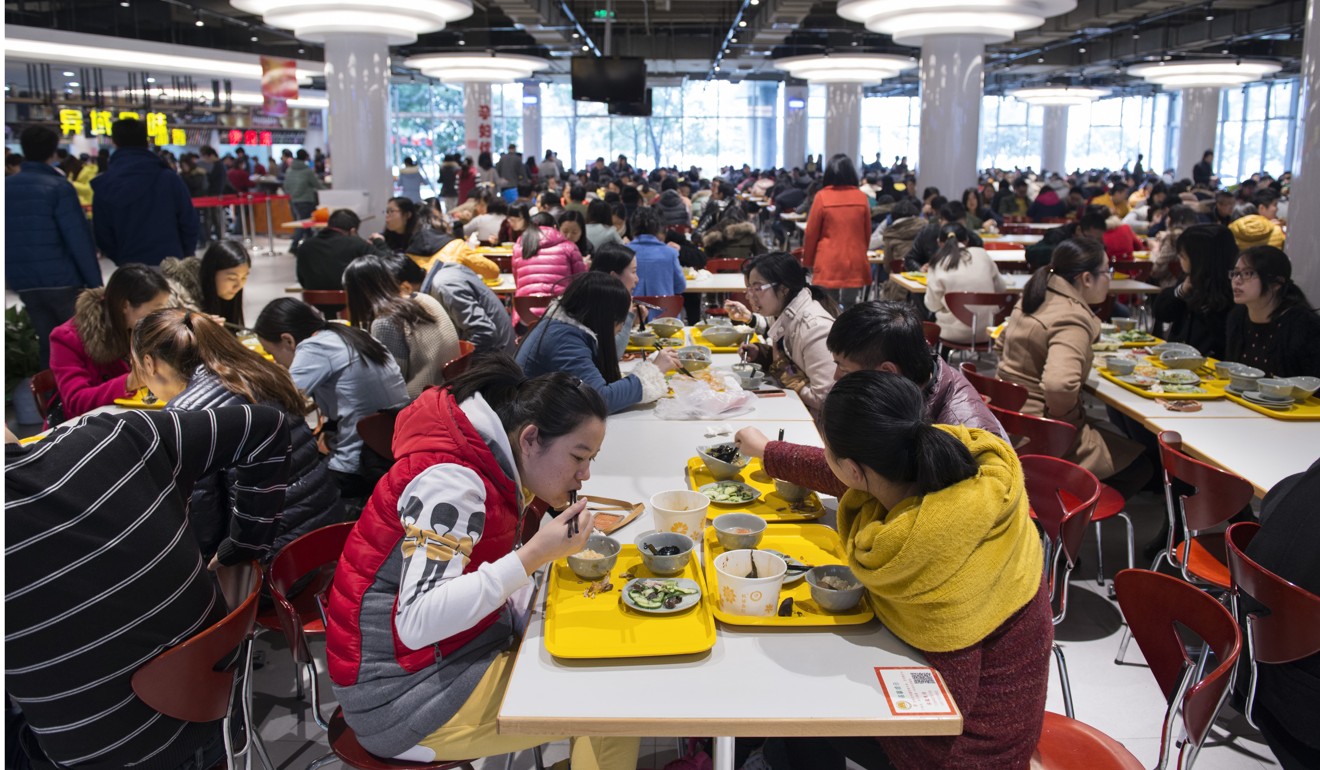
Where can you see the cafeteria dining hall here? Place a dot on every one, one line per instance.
(662, 385)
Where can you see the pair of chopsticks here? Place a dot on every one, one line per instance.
(573, 522)
(681, 368)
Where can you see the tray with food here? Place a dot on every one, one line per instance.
(756, 493)
(1279, 398)
(805, 595)
(1130, 338)
(630, 612)
(611, 514)
(649, 346)
(916, 275)
(142, 399)
(1150, 381)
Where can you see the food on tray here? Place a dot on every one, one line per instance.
(669, 342)
(665, 550)
(729, 492)
(587, 553)
(740, 531)
(606, 521)
(725, 453)
(599, 587)
(654, 594)
(1105, 347)
(1177, 377)
(786, 608)
(836, 583)
(1134, 335)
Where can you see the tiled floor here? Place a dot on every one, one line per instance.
(1121, 700)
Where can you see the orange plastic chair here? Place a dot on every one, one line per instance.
(1002, 393)
(460, 363)
(1063, 497)
(1289, 627)
(670, 305)
(979, 310)
(719, 265)
(44, 389)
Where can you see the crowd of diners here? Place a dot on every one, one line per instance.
(115, 522)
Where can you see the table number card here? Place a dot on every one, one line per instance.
(914, 691)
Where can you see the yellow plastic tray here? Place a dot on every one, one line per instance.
(1146, 344)
(769, 505)
(603, 627)
(814, 544)
(1306, 410)
(135, 401)
(699, 339)
(1211, 391)
(916, 275)
(651, 348)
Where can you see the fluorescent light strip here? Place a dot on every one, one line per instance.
(40, 50)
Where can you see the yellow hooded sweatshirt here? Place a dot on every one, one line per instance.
(1255, 230)
(947, 569)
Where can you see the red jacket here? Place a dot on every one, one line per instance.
(1120, 242)
(838, 234)
(86, 373)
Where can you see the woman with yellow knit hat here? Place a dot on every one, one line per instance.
(936, 527)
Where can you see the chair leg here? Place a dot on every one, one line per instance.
(316, 695)
(1099, 556)
(1123, 644)
(1063, 680)
(540, 759)
(322, 761)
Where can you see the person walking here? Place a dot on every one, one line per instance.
(301, 184)
(838, 233)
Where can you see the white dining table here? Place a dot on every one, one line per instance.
(1015, 281)
(1025, 239)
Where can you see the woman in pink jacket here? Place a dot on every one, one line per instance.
(89, 352)
(544, 261)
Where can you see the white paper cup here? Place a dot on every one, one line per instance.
(741, 595)
(680, 510)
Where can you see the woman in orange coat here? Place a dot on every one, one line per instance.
(838, 233)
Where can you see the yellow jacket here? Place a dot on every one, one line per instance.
(1255, 230)
(83, 184)
(1118, 210)
(458, 251)
(947, 569)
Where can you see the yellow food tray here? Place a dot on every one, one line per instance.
(136, 401)
(916, 275)
(651, 348)
(497, 251)
(769, 506)
(1125, 345)
(1306, 410)
(1211, 392)
(603, 627)
(814, 544)
(699, 339)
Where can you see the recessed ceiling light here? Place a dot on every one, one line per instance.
(254, 38)
(68, 74)
(462, 42)
(1040, 59)
(199, 22)
(73, 84)
(124, 4)
(733, 40)
(753, 2)
(742, 23)
(302, 50)
(1136, 35)
(586, 48)
(151, 80)
(1224, 52)
(1209, 17)
(576, 36)
(1081, 50)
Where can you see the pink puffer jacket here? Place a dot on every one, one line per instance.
(549, 271)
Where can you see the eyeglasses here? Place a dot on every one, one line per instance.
(762, 287)
(1109, 271)
(1244, 275)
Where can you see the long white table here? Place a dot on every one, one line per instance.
(1015, 281)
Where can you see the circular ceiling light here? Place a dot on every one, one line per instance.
(401, 23)
(993, 21)
(845, 68)
(1059, 96)
(476, 67)
(1205, 73)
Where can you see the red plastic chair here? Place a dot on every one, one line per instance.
(316, 552)
(1002, 393)
(529, 309)
(327, 297)
(979, 310)
(992, 245)
(503, 261)
(719, 265)
(1062, 496)
(377, 432)
(186, 683)
(1155, 606)
(1288, 628)
(671, 306)
(459, 363)
(1042, 435)
(44, 389)
(932, 332)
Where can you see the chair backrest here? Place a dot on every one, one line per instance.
(1137, 270)
(459, 363)
(317, 551)
(932, 332)
(1155, 607)
(1003, 246)
(325, 296)
(980, 308)
(525, 307)
(44, 389)
(670, 305)
(1042, 435)
(377, 432)
(1063, 497)
(1002, 393)
(1290, 628)
(724, 265)
(1219, 494)
(182, 682)
(503, 261)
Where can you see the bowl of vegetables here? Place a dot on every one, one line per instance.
(723, 336)
(596, 558)
(834, 587)
(1177, 377)
(661, 596)
(664, 553)
(666, 327)
(722, 460)
(730, 493)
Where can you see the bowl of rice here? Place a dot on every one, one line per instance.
(834, 587)
(596, 558)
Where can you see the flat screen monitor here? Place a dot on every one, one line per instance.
(611, 80)
(640, 109)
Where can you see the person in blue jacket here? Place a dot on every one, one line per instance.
(657, 263)
(141, 209)
(576, 335)
(49, 254)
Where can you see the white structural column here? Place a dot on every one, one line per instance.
(1303, 243)
(843, 120)
(477, 129)
(531, 133)
(1197, 127)
(1054, 140)
(357, 73)
(952, 78)
(795, 126)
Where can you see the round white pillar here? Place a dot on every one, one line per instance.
(952, 79)
(795, 126)
(1303, 242)
(531, 115)
(1197, 127)
(478, 136)
(1054, 140)
(357, 79)
(843, 120)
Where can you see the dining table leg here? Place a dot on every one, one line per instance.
(723, 749)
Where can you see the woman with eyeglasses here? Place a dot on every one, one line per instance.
(1047, 350)
(795, 317)
(407, 231)
(1197, 308)
(1273, 327)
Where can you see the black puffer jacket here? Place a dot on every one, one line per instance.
(311, 501)
(733, 240)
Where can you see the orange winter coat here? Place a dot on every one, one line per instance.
(838, 233)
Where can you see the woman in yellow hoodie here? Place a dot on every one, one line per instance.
(936, 526)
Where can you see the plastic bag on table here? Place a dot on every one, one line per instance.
(713, 394)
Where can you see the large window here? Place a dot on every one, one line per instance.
(1257, 130)
(1109, 133)
(1010, 133)
(427, 122)
(891, 126)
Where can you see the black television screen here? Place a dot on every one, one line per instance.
(614, 79)
(640, 109)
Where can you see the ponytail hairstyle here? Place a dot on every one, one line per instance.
(135, 284)
(878, 420)
(555, 403)
(1070, 259)
(300, 320)
(784, 269)
(188, 341)
(1212, 252)
(530, 241)
(372, 288)
(222, 255)
(1274, 269)
(598, 301)
(953, 246)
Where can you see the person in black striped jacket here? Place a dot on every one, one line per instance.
(103, 573)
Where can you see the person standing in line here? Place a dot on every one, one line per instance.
(50, 257)
(301, 183)
(217, 183)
